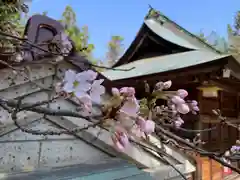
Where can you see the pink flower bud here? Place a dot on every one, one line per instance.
(167, 84)
(118, 146)
(115, 92)
(182, 93)
(131, 91)
(120, 140)
(123, 139)
(177, 100)
(183, 108)
(124, 90)
(149, 127)
(194, 103)
(178, 122)
(195, 108)
(140, 122)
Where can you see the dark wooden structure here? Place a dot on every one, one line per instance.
(163, 50)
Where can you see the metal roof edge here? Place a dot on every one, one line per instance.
(180, 28)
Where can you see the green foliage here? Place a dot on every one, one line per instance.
(80, 36)
(10, 20)
(235, 29)
(215, 41)
(229, 29)
(237, 23)
(115, 49)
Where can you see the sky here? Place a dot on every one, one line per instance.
(124, 17)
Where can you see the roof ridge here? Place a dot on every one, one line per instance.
(153, 13)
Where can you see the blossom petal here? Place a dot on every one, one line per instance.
(97, 82)
(80, 94)
(83, 86)
(92, 75)
(68, 87)
(115, 92)
(183, 108)
(131, 107)
(82, 76)
(95, 96)
(119, 147)
(69, 76)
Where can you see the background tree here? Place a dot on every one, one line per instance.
(80, 36)
(10, 21)
(115, 49)
(233, 37)
(215, 40)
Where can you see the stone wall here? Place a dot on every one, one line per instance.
(21, 151)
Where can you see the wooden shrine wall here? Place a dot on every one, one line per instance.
(222, 137)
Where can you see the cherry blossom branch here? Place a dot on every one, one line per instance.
(46, 132)
(189, 130)
(58, 53)
(42, 110)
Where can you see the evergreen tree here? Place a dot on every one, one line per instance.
(79, 35)
(115, 49)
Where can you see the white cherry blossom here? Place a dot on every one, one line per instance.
(97, 90)
(80, 83)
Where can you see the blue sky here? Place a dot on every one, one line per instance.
(106, 18)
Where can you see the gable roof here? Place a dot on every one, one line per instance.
(161, 64)
(160, 18)
(164, 28)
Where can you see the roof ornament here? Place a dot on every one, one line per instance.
(153, 13)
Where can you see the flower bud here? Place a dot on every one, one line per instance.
(140, 122)
(149, 127)
(159, 86)
(131, 91)
(194, 103)
(115, 92)
(167, 84)
(183, 108)
(177, 100)
(182, 93)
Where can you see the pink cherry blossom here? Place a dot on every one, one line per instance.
(115, 92)
(183, 108)
(147, 126)
(123, 139)
(193, 105)
(235, 148)
(86, 104)
(182, 93)
(131, 91)
(130, 107)
(177, 100)
(127, 91)
(119, 147)
(140, 122)
(124, 90)
(120, 140)
(178, 122)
